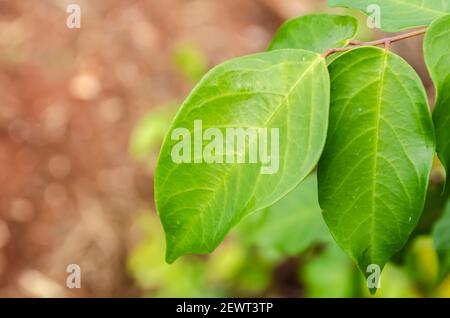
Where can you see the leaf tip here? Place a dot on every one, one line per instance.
(372, 274)
(171, 256)
(373, 291)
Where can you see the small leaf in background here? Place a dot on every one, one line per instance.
(441, 240)
(315, 32)
(422, 262)
(436, 52)
(290, 226)
(190, 61)
(436, 200)
(443, 290)
(148, 134)
(373, 174)
(286, 90)
(397, 15)
(329, 274)
(226, 262)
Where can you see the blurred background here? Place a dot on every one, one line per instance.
(82, 115)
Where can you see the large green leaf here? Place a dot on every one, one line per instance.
(437, 57)
(315, 32)
(441, 240)
(284, 89)
(397, 15)
(373, 175)
(289, 226)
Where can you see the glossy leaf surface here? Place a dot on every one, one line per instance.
(315, 32)
(437, 57)
(373, 175)
(397, 15)
(287, 90)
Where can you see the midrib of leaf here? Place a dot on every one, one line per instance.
(376, 147)
(282, 103)
(311, 67)
(215, 193)
(285, 99)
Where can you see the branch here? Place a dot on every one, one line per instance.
(385, 42)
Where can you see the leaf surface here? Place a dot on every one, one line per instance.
(373, 175)
(287, 90)
(437, 57)
(397, 15)
(315, 32)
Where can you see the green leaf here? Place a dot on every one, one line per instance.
(397, 15)
(286, 90)
(373, 175)
(289, 226)
(437, 57)
(441, 240)
(315, 32)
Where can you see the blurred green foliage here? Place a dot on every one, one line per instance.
(239, 268)
(329, 274)
(147, 136)
(290, 226)
(441, 238)
(229, 268)
(190, 61)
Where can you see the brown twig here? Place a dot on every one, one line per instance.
(386, 42)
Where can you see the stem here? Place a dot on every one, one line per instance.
(390, 39)
(385, 41)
